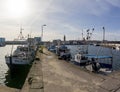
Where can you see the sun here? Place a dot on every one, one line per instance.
(16, 8)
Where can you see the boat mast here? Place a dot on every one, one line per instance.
(21, 37)
(29, 43)
(82, 34)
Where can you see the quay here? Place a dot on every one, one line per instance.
(52, 75)
(8, 89)
(48, 74)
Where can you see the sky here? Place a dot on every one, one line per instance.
(62, 17)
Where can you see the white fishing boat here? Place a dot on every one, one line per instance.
(79, 58)
(23, 55)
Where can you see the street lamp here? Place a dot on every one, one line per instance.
(42, 31)
(103, 34)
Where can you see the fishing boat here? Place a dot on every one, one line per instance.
(52, 48)
(83, 58)
(79, 58)
(22, 56)
(97, 62)
(100, 62)
(63, 52)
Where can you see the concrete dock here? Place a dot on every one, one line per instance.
(8, 89)
(48, 74)
(52, 75)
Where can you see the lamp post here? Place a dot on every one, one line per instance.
(103, 34)
(42, 31)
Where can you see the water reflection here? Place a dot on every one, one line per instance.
(17, 79)
(3, 66)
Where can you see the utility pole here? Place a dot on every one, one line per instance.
(103, 34)
(42, 31)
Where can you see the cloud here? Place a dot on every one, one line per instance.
(52, 35)
(109, 35)
(115, 3)
(95, 7)
(61, 17)
(114, 35)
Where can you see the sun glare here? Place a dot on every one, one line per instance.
(16, 8)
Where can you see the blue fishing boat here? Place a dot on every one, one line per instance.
(63, 52)
(99, 62)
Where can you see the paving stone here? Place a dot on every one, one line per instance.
(118, 90)
(36, 90)
(117, 76)
(110, 84)
(100, 90)
(38, 79)
(37, 85)
(7, 89)
(36, 73)
(58, 88)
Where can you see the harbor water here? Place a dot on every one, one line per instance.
(3, 66)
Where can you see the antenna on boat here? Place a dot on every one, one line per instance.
(92, 33)
(30, 33)
(103, 39)
(21, 35)
(82, 34)
(100, 48)
(89, 34)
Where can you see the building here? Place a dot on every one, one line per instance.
(2, 41)
(64, 39)
(57, 42)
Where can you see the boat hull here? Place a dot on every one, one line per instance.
(16, 60)
(16, 64)
(17, 67)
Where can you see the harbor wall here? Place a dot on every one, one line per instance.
(34, 80)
